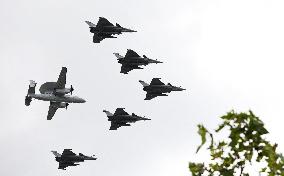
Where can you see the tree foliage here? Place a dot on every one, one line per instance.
(245, 144)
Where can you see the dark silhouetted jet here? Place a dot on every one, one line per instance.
(132, 61)
(122, 118)
(55, 93)
(68, 158)
(158, 88)
(105, 29)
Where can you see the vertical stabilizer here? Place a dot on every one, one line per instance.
(143, 83)
(107, 113)
(118, 55)
(90, 24)
(32, 87)
(56, 154)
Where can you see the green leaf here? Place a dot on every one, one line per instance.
(246, 140)
(197, 169)
(202, 131)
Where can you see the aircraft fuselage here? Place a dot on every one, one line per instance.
(162, 88)
(74, 158)
(136, 61)
(54, 98)
(122, 118)
(110, 30)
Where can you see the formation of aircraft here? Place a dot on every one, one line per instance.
(105, 29)
(158, 88)
(132, 61)
(68, 158)
(122, 118)
(55, 93)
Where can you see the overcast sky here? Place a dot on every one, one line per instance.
(227, 54)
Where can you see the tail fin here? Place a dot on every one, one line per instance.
(107, 113)
(118, 55)
(56, 154)
(118, 25)
(32, 87)
(143, 83)
(90, 24)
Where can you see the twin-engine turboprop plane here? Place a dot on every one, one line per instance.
(132, 61)
(55, 93)
(105, 29)
(68, 158)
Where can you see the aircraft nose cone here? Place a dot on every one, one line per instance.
(178, 89)
(155, 61)
(130, 30)
(144, 118)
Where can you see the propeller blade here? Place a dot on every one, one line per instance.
(71, 89)
(67, 104)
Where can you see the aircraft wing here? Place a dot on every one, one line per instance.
(114, 126)
(157, 82)
(103, 22)
(97, 38)
(63, 165)
(68, 152)
(120, 111)
(150, 96)
(126, 68)
(51, 111)
(130, 53)
(61, 79)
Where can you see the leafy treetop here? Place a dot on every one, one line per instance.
(246, 144)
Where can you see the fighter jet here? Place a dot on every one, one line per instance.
(122, 118)
(68, 158)
(55, 93)
(105, 29)
(132, 61)
(158, 88)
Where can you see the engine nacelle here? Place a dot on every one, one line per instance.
(64, 91)
(63, 105)
(60, 105)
